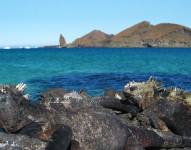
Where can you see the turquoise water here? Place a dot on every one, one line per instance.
(93, 69)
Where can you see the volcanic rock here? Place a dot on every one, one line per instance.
(62, 41)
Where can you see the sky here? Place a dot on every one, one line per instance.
(40, 22)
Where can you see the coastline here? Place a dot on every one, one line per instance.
(52, 47)
(112, 121)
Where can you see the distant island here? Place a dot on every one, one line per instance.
(140, 35)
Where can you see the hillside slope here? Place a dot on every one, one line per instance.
(142, 34)
(95, 38)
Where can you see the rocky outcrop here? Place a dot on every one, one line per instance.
(62, 41)
(164, 109)
(142, 34)
(145, 115)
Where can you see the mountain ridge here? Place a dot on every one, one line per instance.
(143, 34)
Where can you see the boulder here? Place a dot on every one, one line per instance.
(172, 115)
(96, 130)
(143, 94)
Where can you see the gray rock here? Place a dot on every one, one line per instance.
(20, 142)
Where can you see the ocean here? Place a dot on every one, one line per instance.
(93, 69)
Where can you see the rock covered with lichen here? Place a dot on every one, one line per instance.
(166, 109)
(143, 93)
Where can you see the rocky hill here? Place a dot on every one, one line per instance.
(95, 38)
(142, 34)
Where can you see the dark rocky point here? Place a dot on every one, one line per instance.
(62, 41)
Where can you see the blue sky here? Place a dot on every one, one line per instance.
(39, 22)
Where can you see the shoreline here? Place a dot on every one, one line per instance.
(74, 120)
(95, 48)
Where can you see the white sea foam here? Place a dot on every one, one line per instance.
(27, 47)
(7, 47)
